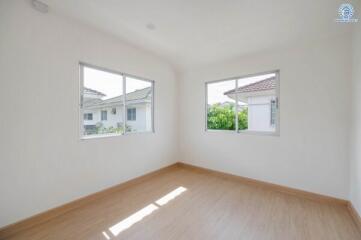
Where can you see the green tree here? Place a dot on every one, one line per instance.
(221, 117)
(243, 119)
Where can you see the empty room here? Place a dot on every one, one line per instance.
(180, 120)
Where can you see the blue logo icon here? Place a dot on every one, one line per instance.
(346, 11)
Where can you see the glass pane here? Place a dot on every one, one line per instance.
(102, 102)
(139, 105)
(221, 111)
(257, 103)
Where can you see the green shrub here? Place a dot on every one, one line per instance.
(222, 117)
(100, 129)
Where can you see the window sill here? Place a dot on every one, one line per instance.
(89, 137)
(245, 132)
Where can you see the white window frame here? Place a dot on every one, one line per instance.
(124, 76)
(278, 112)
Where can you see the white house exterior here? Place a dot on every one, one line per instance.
(108, 113)
(260, 98)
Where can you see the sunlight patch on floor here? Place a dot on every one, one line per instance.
(170, 196)
(106, 235)
(139, 215)
(129, 221)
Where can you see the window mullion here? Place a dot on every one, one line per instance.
(81, 104)
(124, 105)
(236, 98)
(152, 105)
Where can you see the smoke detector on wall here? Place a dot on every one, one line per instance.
(40, 6)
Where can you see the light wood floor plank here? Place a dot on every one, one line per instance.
(210, 208)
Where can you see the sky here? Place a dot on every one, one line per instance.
(96, 79)
(110, 84)
(216, 90)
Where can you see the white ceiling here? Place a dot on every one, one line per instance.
(192, 33)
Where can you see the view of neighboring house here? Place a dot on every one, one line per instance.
(260, 100)
(108, 114)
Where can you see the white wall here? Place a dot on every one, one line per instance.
(259, 113)
(311, 153)
(143, 120)
(112, 119)
(355, 143)
(43, 162)
(96, 117)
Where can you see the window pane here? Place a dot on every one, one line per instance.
(104, 115)
(131, 114)
(256, 106)
(102, 102)
(257, 97)
(221, 111)
(139, 105)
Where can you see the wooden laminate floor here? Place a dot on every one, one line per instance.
(185, 204)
